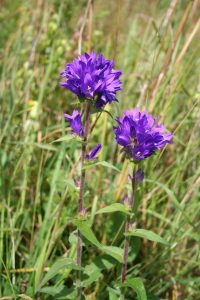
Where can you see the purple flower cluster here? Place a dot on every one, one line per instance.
(92, 77)
(140, 134)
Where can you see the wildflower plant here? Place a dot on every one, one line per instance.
(140, 136)
(94, 81)
(40, 154)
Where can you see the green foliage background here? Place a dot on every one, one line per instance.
(158, 54)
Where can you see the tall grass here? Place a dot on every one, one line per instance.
(155, 44)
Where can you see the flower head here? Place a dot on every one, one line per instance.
(140, 134)
(92, 77)
(75, 122)
(93, 153)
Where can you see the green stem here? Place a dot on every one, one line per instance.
(127, 226)
(81, 196)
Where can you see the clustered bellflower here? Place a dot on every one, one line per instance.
(75, 122)
(94, 152)
(140, 134)
(92, 77)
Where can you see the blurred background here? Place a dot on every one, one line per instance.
(156, 45)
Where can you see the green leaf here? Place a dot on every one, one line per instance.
(115, 252)
(112, 294)
(64, 139)
(52, 290)
(137, 285)
(72, 238)
(103, 262)
(60, 292)
(94, 276)
(147, 234)
(44, 146)
(62, 263)
(84, 226)
(101, 163)
(113, 208)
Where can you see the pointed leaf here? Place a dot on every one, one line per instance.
(115, 252)
(137, 285)
(63, 263)
(147, 234)
(64, 139)
(94, 276)
(113, 208)
(84, 227)
(101, 163)
(103, 262)
(52, 290)
(44, 146)
(112, 294)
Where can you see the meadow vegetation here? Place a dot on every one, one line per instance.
(155, 44)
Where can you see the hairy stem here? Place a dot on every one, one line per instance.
(127, 226)
(81, 194)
